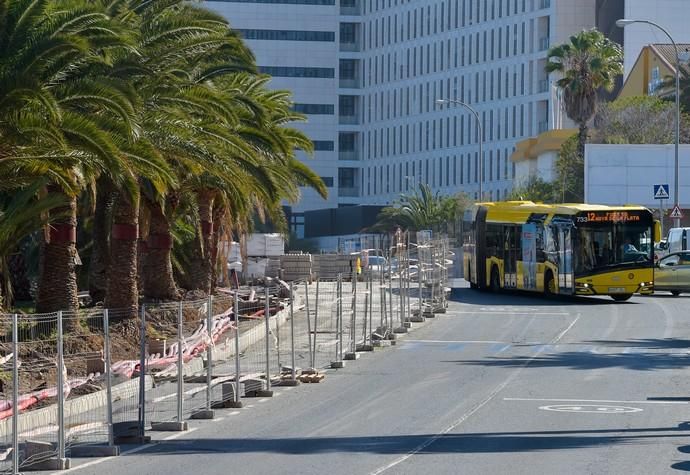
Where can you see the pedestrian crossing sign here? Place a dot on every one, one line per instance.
(676, 213)
(661, 192)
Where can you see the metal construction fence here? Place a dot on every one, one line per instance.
(80, 383)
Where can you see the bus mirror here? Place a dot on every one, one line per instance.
(657, 231)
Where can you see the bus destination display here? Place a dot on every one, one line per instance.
(609, 217)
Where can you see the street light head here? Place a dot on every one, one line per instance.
(622, 23)
(441, 101)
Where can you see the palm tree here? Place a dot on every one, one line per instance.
(22, 213)
(589, 62)
(421, 210)
(55, 121)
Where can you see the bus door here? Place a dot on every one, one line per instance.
(566, 277)
(479, 262)
(510, 257)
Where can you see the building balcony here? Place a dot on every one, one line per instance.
(348, 155)
(348, 119)
(349, 83)
(543, 86)
(348, 192)
(350, 47)
(543, 43)
(350, 10)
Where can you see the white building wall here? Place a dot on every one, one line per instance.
(670, 14)
(313, 54)
(411, 54)
(626, 174)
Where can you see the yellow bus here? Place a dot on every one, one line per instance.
(567, 249)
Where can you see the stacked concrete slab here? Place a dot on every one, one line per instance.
(328, 266)
(296, 267)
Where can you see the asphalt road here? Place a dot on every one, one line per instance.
(501, 384)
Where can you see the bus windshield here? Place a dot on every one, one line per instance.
(603, 246)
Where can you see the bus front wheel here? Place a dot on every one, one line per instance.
(621, 297)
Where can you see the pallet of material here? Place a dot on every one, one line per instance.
(311, 378)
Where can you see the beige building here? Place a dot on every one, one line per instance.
(655, 65)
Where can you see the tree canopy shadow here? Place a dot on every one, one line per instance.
(517, 298)
(586, 361)
(648, 343)
(466, 443)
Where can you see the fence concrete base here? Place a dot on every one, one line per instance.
(95, 451)
(383, 343)
(288, 382)
(337, 364)
(231, 404)
(351, 356)
(36, 448)
(417, 319)
(169, 426)
(263, 393)
(400, 330)
(203, 414)
(362, 347)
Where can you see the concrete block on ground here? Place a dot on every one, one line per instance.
(362, 347)
(203, 414)
(337, 364)
(287, 382)
(252, 386)
(95, 451)
(232, 404)
(400, 330)
(382, 343)
(351, 356)
(228, 391)
(263, 393)
(169, 426)
(41, 451)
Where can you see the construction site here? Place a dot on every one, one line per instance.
(81, 384)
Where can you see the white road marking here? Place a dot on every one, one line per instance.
(592, 400)
(510, 313)
(234, 413)
(263, 399)
(249, 405)
(217, 419)
(455, 341)
(105, 459)
(181, 433)
(476, 408)
(592, 409)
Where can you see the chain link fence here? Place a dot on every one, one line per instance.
(80, 383)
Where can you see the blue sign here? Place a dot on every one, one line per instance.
(661, 192)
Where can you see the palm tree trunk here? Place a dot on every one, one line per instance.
(100, 253)
(122, 290)
(582, 137)
(57, 289)
(217, 267)
(159, 282)
(202, 265)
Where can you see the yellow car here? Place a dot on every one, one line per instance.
(672, 273)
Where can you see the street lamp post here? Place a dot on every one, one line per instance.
(481, 138)
(622, 23)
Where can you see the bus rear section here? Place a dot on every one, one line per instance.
(559, 249)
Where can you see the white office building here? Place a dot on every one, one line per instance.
(368, 74)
